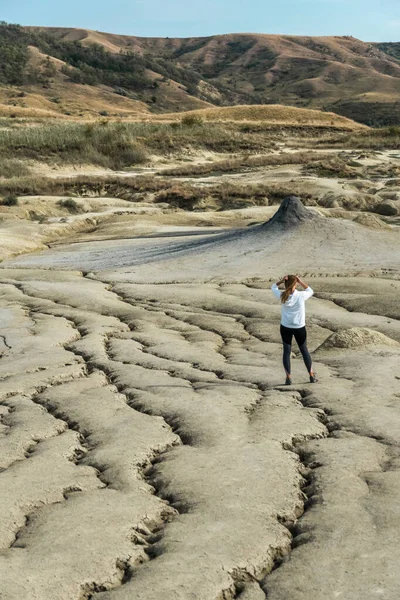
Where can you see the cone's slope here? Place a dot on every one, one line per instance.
(290, 213)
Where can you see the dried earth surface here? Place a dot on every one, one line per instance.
(148, 448)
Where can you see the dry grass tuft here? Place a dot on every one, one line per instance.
(108, 145)
(13, 168)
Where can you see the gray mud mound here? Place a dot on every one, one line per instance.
(290, 214)
(295, 239)
(357, 337)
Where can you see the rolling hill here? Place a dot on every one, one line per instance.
(90, 72)
(272, 115)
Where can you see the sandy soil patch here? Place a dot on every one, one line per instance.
(145, 426)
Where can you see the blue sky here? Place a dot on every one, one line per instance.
(369, 20)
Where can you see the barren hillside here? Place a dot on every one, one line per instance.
(83, 73)
(354, 78)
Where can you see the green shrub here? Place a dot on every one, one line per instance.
(14, 54)
(10, 201)
(121, 92)
(70, 205)
(191, 120)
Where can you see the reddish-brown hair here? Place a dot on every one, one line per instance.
(290, 282)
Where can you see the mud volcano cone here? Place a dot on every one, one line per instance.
(290, 213)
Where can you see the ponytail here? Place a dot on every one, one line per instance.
(285, 295)
(289, 284)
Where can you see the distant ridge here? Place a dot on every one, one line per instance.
(344, 75)
(338, 73)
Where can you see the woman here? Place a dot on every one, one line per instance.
(293, 321)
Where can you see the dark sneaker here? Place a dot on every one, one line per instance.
(288, 381)
(313, 378)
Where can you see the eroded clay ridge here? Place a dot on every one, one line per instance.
(149, 452)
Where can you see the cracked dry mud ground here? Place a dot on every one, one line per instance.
(149, 452)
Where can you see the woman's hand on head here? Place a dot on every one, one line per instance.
(301, 282)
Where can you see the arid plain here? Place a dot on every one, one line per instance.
(148, 449)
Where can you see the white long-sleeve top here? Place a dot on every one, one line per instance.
(293, 313)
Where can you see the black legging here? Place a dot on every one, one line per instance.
(300, 336)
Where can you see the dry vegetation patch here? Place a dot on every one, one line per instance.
(118, 145)
(246, 162)
(70, 205)
(330, 166)
(373, 139)
(226, 196)
(13, 168)
(109, 145)
(117, 187)
(185, 196)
